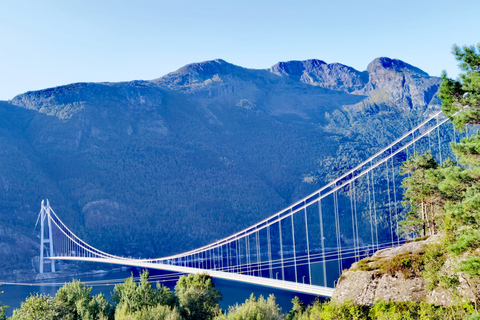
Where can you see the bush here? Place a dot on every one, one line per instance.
(254, 308)
(38, 307)
(197, 297)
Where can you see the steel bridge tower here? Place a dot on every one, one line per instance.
(46, 237)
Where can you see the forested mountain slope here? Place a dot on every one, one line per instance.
(167, 165)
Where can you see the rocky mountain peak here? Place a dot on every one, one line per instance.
(333, 76)
(207, 68)
(199, 72)
(388, 64)
(394, 82)
(296, 67)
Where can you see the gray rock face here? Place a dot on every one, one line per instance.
(366, 287)
(399, 83)
(333, 76)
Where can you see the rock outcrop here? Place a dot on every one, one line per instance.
(333, 76)
(367, 281)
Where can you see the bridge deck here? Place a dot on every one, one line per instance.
(280, 284)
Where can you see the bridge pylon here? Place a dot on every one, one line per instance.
(46, 237)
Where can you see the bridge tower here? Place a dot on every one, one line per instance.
(46, 237)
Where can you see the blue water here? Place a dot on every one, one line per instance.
(233, 292)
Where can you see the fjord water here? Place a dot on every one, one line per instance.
(233, 292)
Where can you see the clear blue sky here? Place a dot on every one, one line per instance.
(54, 42)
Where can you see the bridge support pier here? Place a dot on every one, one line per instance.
(46, 238)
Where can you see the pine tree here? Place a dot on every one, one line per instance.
(461, 97)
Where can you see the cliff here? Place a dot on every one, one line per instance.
(401, 274)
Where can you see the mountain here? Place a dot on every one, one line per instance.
(195, 155)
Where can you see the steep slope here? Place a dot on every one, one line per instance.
(201, 152)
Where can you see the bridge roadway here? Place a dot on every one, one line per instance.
(280, 284)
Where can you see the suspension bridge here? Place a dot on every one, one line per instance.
(305, 246)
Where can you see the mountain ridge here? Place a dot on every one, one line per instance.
(210, 68)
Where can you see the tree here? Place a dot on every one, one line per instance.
(136, 296)
(124, 295)
(459, 186)
(74, 302)
(197, 297)
(468, 151)
(158, 312)
(97, 308)
(421, 194)
(461, 97)
(461, 102)
(2, 310)
(253, 309)
(39, 307)
(297, 309)
(2, 313)
(67, 298)
(139, 301)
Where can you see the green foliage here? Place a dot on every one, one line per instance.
(382, 310)
(412, 224)
(468, 150)
(394, 311)
(297, 309)
(74, 302)
(131, 297)
(473, 316)
(253, 309)
(39, 307)
(434, 258)
(365, 265)
(410, 264)
(124, 294)
(95, 308)
(471, 266)
(197, 297)
(421, 194)
(467, 211)
(2, 310)
(430, 188)
(467, 239)
(158, 312)
(449, 195)
(461, 98)
(333, 311)
(69, 297)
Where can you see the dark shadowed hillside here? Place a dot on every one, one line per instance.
(173, 163)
